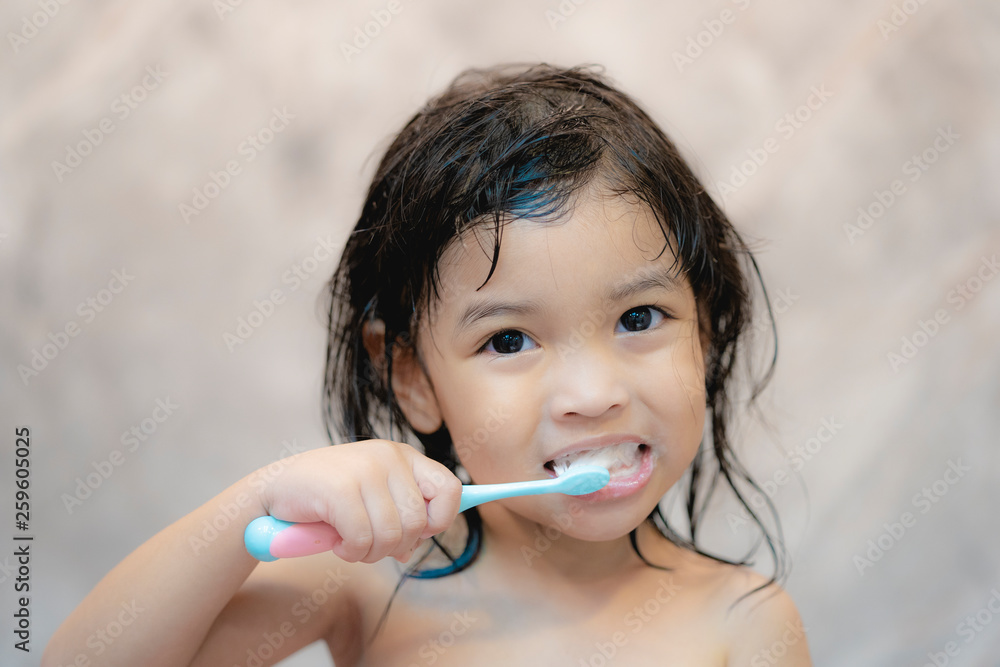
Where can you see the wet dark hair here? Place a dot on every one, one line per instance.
(520, 141)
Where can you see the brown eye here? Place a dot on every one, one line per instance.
(641, 318)
(507, 342)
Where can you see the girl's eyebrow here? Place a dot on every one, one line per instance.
(492, 307)
(647, 279)
(659, 278)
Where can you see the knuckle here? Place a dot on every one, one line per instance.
(452, 486)
(389, 447)
(413, 502)
(414, 522)
(360, 542)
(391, 535)
(366, 466)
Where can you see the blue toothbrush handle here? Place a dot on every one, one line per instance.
(305, 539)
(267, 538)
(477, 494)
(260, 533)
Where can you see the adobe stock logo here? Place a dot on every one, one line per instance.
(914, 168)
(926, 330)
(700, 42)
(58, 340)
(294, 277)
(796, 459)
(37, 21)
(968, 629)
(249, 149)
(899, 16)
(786, 127)
(562, 12)
(924, 501)
(132, 439)
(381, 18)
(122, 107)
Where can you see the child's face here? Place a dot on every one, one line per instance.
(582, 337)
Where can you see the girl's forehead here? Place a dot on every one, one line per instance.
(600, 241)
(596, 225)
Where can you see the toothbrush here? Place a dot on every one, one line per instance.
(268, 539)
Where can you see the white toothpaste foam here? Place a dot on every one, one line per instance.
(623, 457)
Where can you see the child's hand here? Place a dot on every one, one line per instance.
(383, 497)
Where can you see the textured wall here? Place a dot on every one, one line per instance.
(884, 85)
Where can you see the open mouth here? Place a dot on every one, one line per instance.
(631, 466)
(622, 460)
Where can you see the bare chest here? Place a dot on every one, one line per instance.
(460, 643)
(460, 621)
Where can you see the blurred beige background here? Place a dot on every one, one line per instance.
(800, 113)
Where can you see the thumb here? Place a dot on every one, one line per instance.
(441, 490)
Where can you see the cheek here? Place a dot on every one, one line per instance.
(482, 425)
(681, 385)
(685, 367)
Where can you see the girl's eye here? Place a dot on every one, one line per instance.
(641, 318)
(509, 342)
(512, 341)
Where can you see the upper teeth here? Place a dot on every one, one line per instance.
(624, 454)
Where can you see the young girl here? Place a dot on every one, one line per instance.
(536, 277)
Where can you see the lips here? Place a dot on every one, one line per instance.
(627, 458)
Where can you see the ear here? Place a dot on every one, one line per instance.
(410, 383)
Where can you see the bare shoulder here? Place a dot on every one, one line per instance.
(757, 621)
(761, 621)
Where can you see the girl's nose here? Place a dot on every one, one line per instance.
(588, 383)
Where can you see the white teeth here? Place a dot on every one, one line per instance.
(615, 458)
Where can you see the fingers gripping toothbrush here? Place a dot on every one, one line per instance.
(268, 539)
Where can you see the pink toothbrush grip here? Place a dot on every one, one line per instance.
(304, 539)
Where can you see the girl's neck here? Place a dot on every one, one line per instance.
(528, 550)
